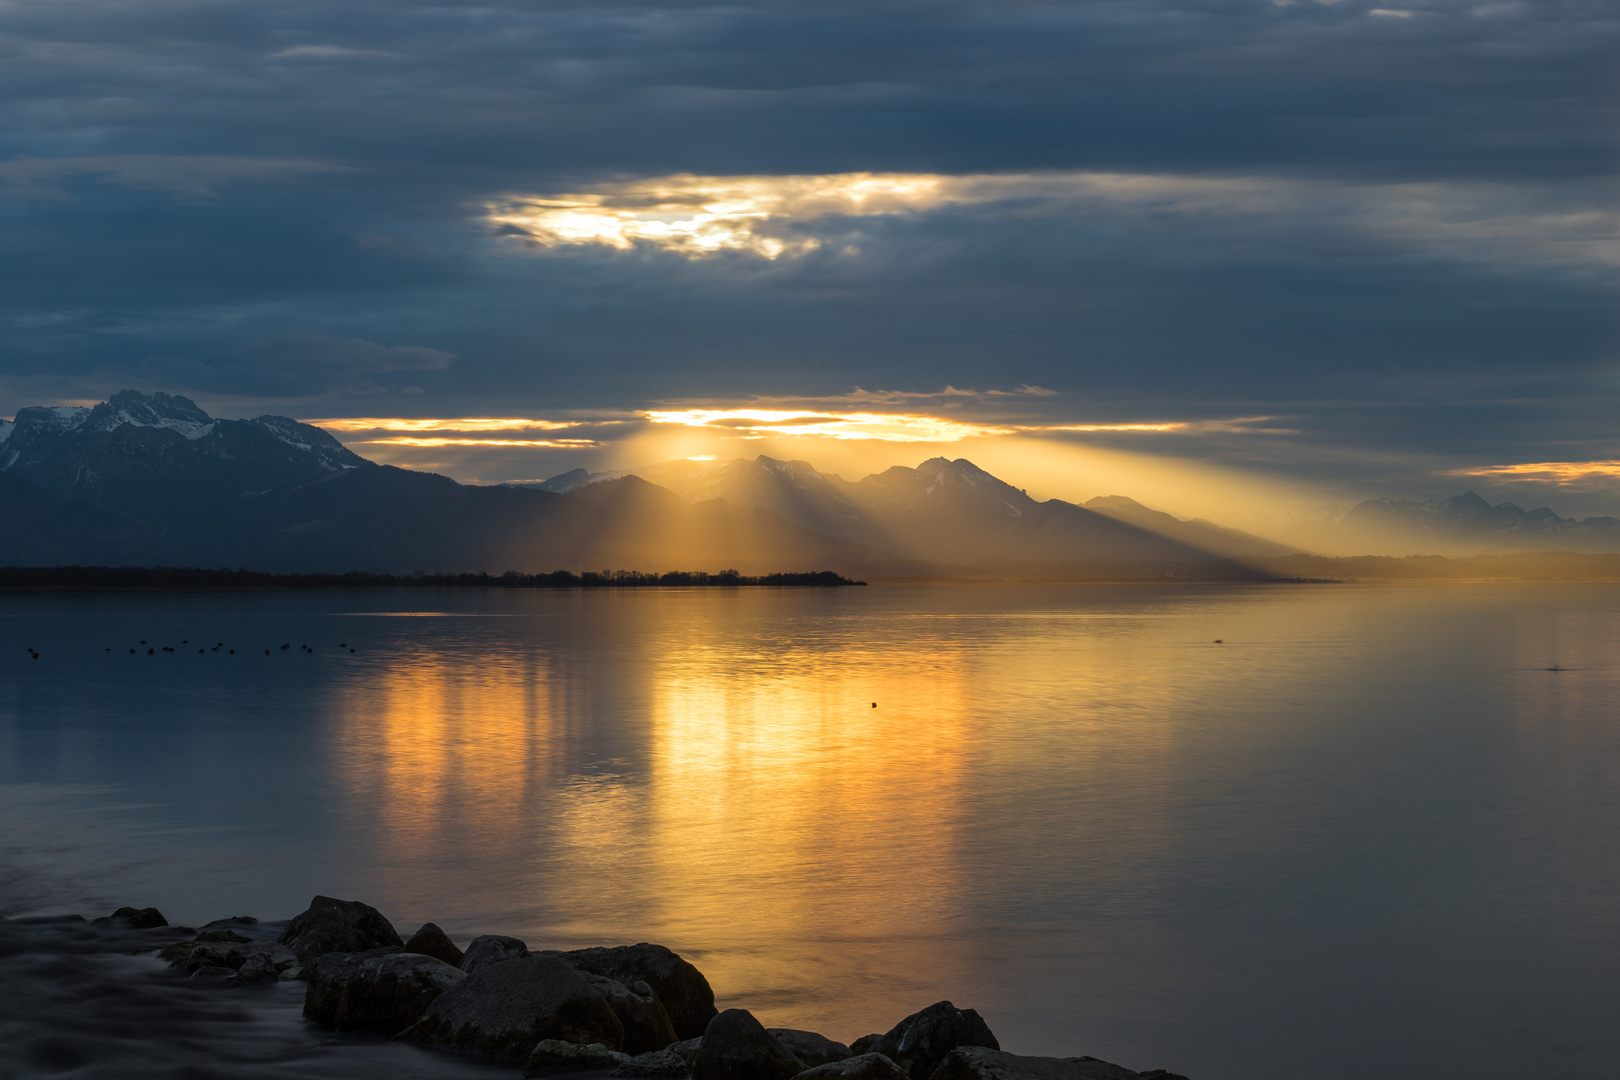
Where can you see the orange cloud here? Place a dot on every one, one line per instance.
(1556, 472)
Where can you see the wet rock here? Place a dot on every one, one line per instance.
(809, 1047)
(244, 960)
(330, 926)
(866, 1044)
(384, 990)
(490, 948)
(737, 1047)
(232, 923)
(657, 1063)
(680, 987)
(981, 1063)
(431, 941)
(552, 1056)
(686, 1049)
(139, 918)
(856, 1067)
(221, 934)
(646, 1024)
(240, 957)
(504, 1008)
(920, 1042)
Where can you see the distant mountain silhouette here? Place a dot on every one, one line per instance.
(951, 514)
(154, 480)
(1205, 535)
(1462, 524)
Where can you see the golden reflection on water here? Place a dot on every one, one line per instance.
(756, 808)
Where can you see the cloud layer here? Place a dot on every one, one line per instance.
(1393, 226)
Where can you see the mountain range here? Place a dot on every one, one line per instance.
(151, 479)
(1463, 524)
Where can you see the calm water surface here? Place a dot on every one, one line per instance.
(1369, 834)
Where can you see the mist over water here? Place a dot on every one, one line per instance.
(1368, 833)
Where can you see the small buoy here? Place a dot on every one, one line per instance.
(874, 704)
(1218, 641)
(233, 652)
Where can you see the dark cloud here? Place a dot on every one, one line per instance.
(1411, 244)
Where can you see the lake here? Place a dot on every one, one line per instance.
(1245, 832)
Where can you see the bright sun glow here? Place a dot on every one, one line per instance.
(884, 427)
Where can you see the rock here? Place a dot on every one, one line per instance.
(384, 990)
(219, 934)
(330, 926)
(233, 921)
(809, 1047)
(687, 1049)
(920, 1042)
(502, 1009)
(856, 1067)
(866, 1044)
(646, 1024)
(982, 1063)
(657, 1063)
(241, 958)
(148, 918)
(737, 1047)
(681, 988)
(552, 1056)
(489, 948)
(431, 941)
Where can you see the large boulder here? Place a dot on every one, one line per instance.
(553, 1056)
(920, 1042)
(857, 1067)
(658, 1063)
(646, 1024)
(681, 988)
(503, 1009)
(982, 1063)
(737, 1047)
(809, 1047)
(490, 949)
(866, 1044)
(383, 990)
(147, 918)
(431, 941)
(330, 926)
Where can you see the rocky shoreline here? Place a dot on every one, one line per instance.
(626, 1011)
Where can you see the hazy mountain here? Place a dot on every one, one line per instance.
(1462, 524)
(1205, 535)
(951, 513)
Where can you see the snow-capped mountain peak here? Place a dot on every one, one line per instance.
(159, 410)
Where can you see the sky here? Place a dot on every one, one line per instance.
(1278, 253)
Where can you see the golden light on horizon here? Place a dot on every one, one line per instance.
(882, 427)
(1555, 472)
(436, 440)
(456, 423)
